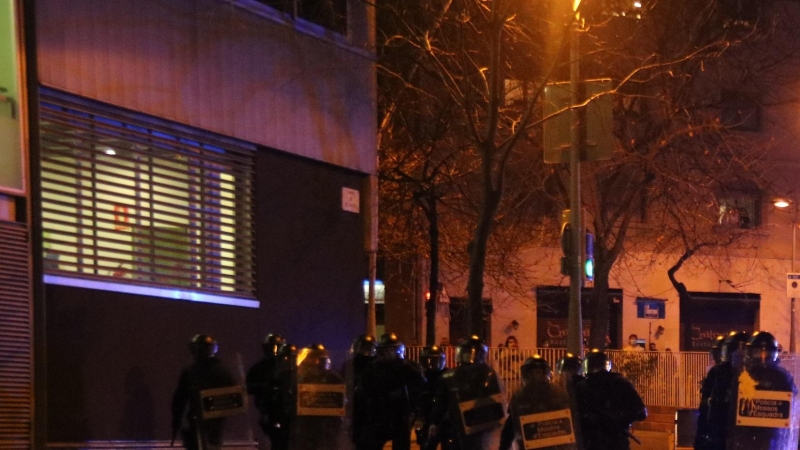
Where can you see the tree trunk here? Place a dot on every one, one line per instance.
(598, 308)
(477, 262)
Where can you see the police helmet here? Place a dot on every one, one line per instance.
(535, 364)
(596, 361)
(272, 343)
(736, 340)
(716, 349)
(471, 351)
(390, 346)
(569, 364)
(287, 353)
(762, 348)
(363, 345)
(315, 356)
(203, 346)
(432, 358)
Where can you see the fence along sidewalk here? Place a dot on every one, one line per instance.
(662, 378)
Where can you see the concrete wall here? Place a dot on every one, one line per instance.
(218, 66)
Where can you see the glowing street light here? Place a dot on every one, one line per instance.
(783, 203)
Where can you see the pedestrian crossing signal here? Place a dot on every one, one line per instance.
(588, 259)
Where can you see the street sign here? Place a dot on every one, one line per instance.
(650, 308)
(598, 116)
(793, 285)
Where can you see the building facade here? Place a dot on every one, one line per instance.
(180, 168)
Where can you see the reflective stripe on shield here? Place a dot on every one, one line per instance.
(482, 413)
(320, 399)
(547, 429)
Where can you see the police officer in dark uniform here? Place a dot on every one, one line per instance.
(363, 352)
(714, 436)
(537, 395)
(703, 439)
(760, 416)
(468, 407)
(284, 395)
(260, 382)
(390, 387)
(569, 373)
(608, 403)
(433, 361)
(570, 366)
(314, 430)
(205, 373)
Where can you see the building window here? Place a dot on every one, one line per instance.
(739, 111)
(739, 210)
(129, 200)
(329, 14)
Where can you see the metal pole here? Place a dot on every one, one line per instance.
(575, 332)
(791, 311)
(371, 245)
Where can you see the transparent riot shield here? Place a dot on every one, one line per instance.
(763, 411)
(356, 414)
(567, 384)
(319, 412)
(477, 405)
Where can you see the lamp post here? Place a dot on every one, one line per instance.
(782, 204)
(575, 333)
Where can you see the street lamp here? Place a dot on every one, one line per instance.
(575, 322)
(782, 203)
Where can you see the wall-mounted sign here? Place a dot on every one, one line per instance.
(650, 308)
(793, 285)
(351, 200)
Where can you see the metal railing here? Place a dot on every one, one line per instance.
(661, 378)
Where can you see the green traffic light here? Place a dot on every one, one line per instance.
(588, 269)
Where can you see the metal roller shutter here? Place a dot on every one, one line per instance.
(138, 200)
(16, 365)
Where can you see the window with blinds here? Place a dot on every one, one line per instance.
(134, 201)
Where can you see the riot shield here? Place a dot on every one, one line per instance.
(319, 413)
(567, 384)
(762, 409)
(478, 404)
(355, 407)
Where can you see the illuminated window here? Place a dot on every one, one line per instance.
(130, 200)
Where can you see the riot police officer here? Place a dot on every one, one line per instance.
(390, 387)
(703, 439)
(761, 416)
(433, 361)
(320, 406)
(715, 431)
(284, 395)
(362, 353)
(608, 403)
(469, 404)
(260, 383)
(538, 395)
(205, 373)
(569, 372)
(570, 367)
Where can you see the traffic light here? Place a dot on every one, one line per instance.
(588, 257)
